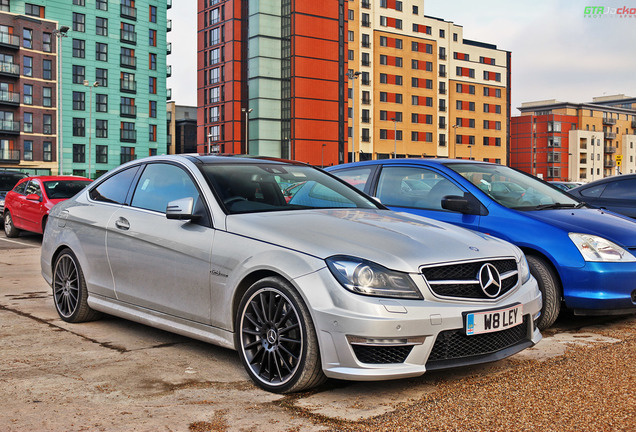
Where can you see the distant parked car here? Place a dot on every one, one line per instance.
(566, 186)
(8, 179)
(27, 206)
(582, 257)
(330, 283)
(616, 193)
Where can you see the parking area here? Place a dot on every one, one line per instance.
(114, 375)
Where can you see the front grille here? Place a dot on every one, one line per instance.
(462, 280)
(381, 354)
(454, 344)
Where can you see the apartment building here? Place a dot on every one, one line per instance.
(335, 81)
(111, 93)
(575, 141)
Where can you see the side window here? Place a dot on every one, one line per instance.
(33, 188)
(356, 177)
(161, 183)
(621, 189)
(414, 187)
(594, 191)
(115, 188)
(21, 187)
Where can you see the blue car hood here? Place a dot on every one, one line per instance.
(619, 229)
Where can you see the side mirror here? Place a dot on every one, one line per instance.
(466, 204)
(181, 209)
(34, 197)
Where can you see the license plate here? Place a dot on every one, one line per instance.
(493, 320)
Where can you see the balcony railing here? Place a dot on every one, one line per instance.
(169, 25)
(128, 12)
(123, 158)
(366, 44)
(583, 161)
(169, 48)
(442, 108)
(8, 68)
(128, 36)
(366, 119)
(9, 40)
(442, 125)
(127, 61)
(127, 110)
(11, 98)
(128, 135)
(9, 126)
(442, 74)
(366, 101)
(609, 149)
(169, 71)
(366, 23)
(10, 156)
(366, 4)
(169, 94)
(610, 135)
(609, 164)
(169, 4)
(442, 56)
(634, 124)
(128, 86)
(609, 121)
(366, 138)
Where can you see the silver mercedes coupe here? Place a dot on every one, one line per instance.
(302, 274)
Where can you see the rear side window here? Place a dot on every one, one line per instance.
(621, 189)
(21, 187)
(115, 188)
(594, 191)
(356, 177)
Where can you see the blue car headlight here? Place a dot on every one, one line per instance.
(367, 278)
(597, 249)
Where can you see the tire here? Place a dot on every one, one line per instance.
(9, 228)
(70, 294)
(550, 288)
(276, 338)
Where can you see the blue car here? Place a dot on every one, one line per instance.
(583, 258)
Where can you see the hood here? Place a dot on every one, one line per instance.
(398, 241)
(619, 229)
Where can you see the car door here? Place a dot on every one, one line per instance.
(29, 214)
(420, 190)
(158, 263)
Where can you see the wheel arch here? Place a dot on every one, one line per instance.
(539, 254)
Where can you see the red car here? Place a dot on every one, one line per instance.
(27, 206)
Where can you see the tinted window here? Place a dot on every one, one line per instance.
(115, 188)
(594, 191)
(64, 189)
(620, 189)
(161, 183)
(21, 187)
(414, 187)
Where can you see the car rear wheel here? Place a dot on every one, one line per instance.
(9, 229)
(550, 288)
(69, 290)
(276, 338)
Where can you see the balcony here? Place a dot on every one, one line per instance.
(610, 135)
(9, 69)
(366, 4)
(366, 119)
(127, 110)
(10, 156)
(9, 98)
(442, 74)
(366, 101)
(169, 25)
(442, 125)
(442, 91)
(583, 161)
(366, 62)
(128, 37)
(609, 149)
(609, 121)
(10, 127)
(168, 94)
(366, 23)
(128, 86)
(127, 61)
(128, 12)
(127, 135)
(442, 108)
(366, 138)
(169, 4)
(366, 44)
(633, 124)
(169, 48)
(442, 143)
(609, 164)
(169, 71)
(9, 41)
(442, 56)
(123, 158)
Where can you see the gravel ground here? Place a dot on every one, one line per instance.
(591, 388)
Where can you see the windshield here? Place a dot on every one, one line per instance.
(514, 189)
(64, 189)
(254, 187)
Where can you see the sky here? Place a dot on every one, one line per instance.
(557, 52)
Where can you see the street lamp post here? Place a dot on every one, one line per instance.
(394, 119)
(90, 122)
(454, 127)
(322, 162)
(59, 34)
(247, 131)
(209, 142)
(593, 159)
(470, 152)
(352, 76)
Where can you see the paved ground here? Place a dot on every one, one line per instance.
(113, 375)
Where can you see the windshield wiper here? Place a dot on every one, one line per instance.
(559, 206)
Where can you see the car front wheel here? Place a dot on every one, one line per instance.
(69, 290)
(550, 288)
(276, 338)
(9, 229)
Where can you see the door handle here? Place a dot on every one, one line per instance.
(122, 224)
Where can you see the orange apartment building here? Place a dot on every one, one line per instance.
(334, 81)
(575, 142)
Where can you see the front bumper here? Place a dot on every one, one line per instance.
(366, 338)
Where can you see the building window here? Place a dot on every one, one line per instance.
(79, 155)
(101, 76)
(79, 127)
(46, 42)
(153, 133)
(101, 4)
(152, 109)
(153, 38)
(28, 94)
(128, 33)
(152, 61)
(27, 38)
(127, 154)
(27, 69)
(127, 107)
(79, 47)
(152, 85)
(28, 150)
(4, 6)
(47, 69)
(153, 14)
(33, 10)
(101, 103)
(78, 101)
(101, 129)
(47, 99)
(101, 154)
(28, 122)
(79, 22)
(47, 151)
(101, 25)
(79, 2)
(128, 132)
(127, 58)
(47, 124)
(101, 51)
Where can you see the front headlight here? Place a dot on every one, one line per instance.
(364, 277)
(597, 249)
(524, 270)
